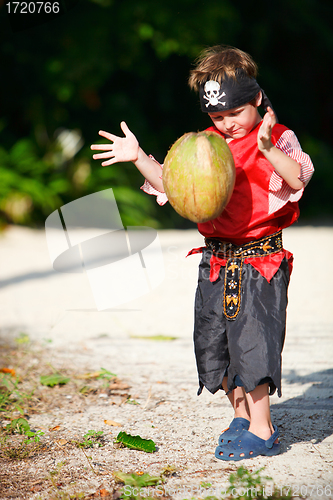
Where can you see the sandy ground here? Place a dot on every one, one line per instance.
(59, 309)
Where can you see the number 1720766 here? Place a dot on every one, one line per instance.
(33, 7)
(307, 491)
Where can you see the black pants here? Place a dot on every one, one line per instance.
(247, 349)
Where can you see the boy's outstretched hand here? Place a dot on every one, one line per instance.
(265, 131)
(121, 149)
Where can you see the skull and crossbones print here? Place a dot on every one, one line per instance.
(212, 91)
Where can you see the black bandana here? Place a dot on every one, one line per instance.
(230, 93)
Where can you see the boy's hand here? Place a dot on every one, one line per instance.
(121, 149)
(265, 131)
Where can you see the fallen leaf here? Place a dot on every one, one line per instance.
(136, 442)
(154, 337)
(141, 480)
(86, 389)
(120, 386)
(89, 375)
(102, 493)
(54, 379)
(168, 470)
(36, 488)
(113, 423)
(56, 428)
(61, 442)
(102, 374)
(8, 370)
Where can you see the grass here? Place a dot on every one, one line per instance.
(22, 396)
(243, 485)
(25, 445)
(11, 397)
(91, 439)
(18, 449)
(252, 485)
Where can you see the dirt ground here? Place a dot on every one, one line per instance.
(49, 323)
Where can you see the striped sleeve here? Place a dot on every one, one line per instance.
(148, 188)
(279, 191)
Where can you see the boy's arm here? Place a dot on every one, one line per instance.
(288, 168)
(123, 149)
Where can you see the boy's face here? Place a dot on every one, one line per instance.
(237, 122)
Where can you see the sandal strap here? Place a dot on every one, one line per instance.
(269, 443)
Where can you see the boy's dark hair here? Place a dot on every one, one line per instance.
(215, 63)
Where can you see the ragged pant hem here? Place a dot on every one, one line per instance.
(210, 388)
(213, 390)
(273, 387)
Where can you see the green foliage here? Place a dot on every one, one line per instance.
(131, 402)
(23, 338)
(251, 482)
(105, 375)
(205, 485)
(25, 446)
(25, 184)
(54, 379)
(136, 442)
(21, 426)
(320, 188)
(243, 485)
(246, 485)
(136, 480)
(10, 394)
(90, 439)
(135, 484)
(72, 76)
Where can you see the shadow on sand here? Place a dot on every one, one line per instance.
(308, 417)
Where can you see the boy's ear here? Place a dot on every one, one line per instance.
(258, 99)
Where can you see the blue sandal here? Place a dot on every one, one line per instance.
(248, 445)
(233, 431)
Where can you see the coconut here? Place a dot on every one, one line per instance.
(199, 175)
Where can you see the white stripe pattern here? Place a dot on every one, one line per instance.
(161, 198)
(279, 191)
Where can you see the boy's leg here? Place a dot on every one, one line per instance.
(238, 400)
(258, 403)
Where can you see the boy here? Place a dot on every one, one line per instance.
(241, 299)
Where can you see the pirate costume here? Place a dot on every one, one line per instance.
(241, 298)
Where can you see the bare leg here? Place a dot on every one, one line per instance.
(258, 406)
(258, 403)
(238, 400)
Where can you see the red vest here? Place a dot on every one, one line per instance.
(246, 216)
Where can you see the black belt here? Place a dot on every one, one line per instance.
(235, 256)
